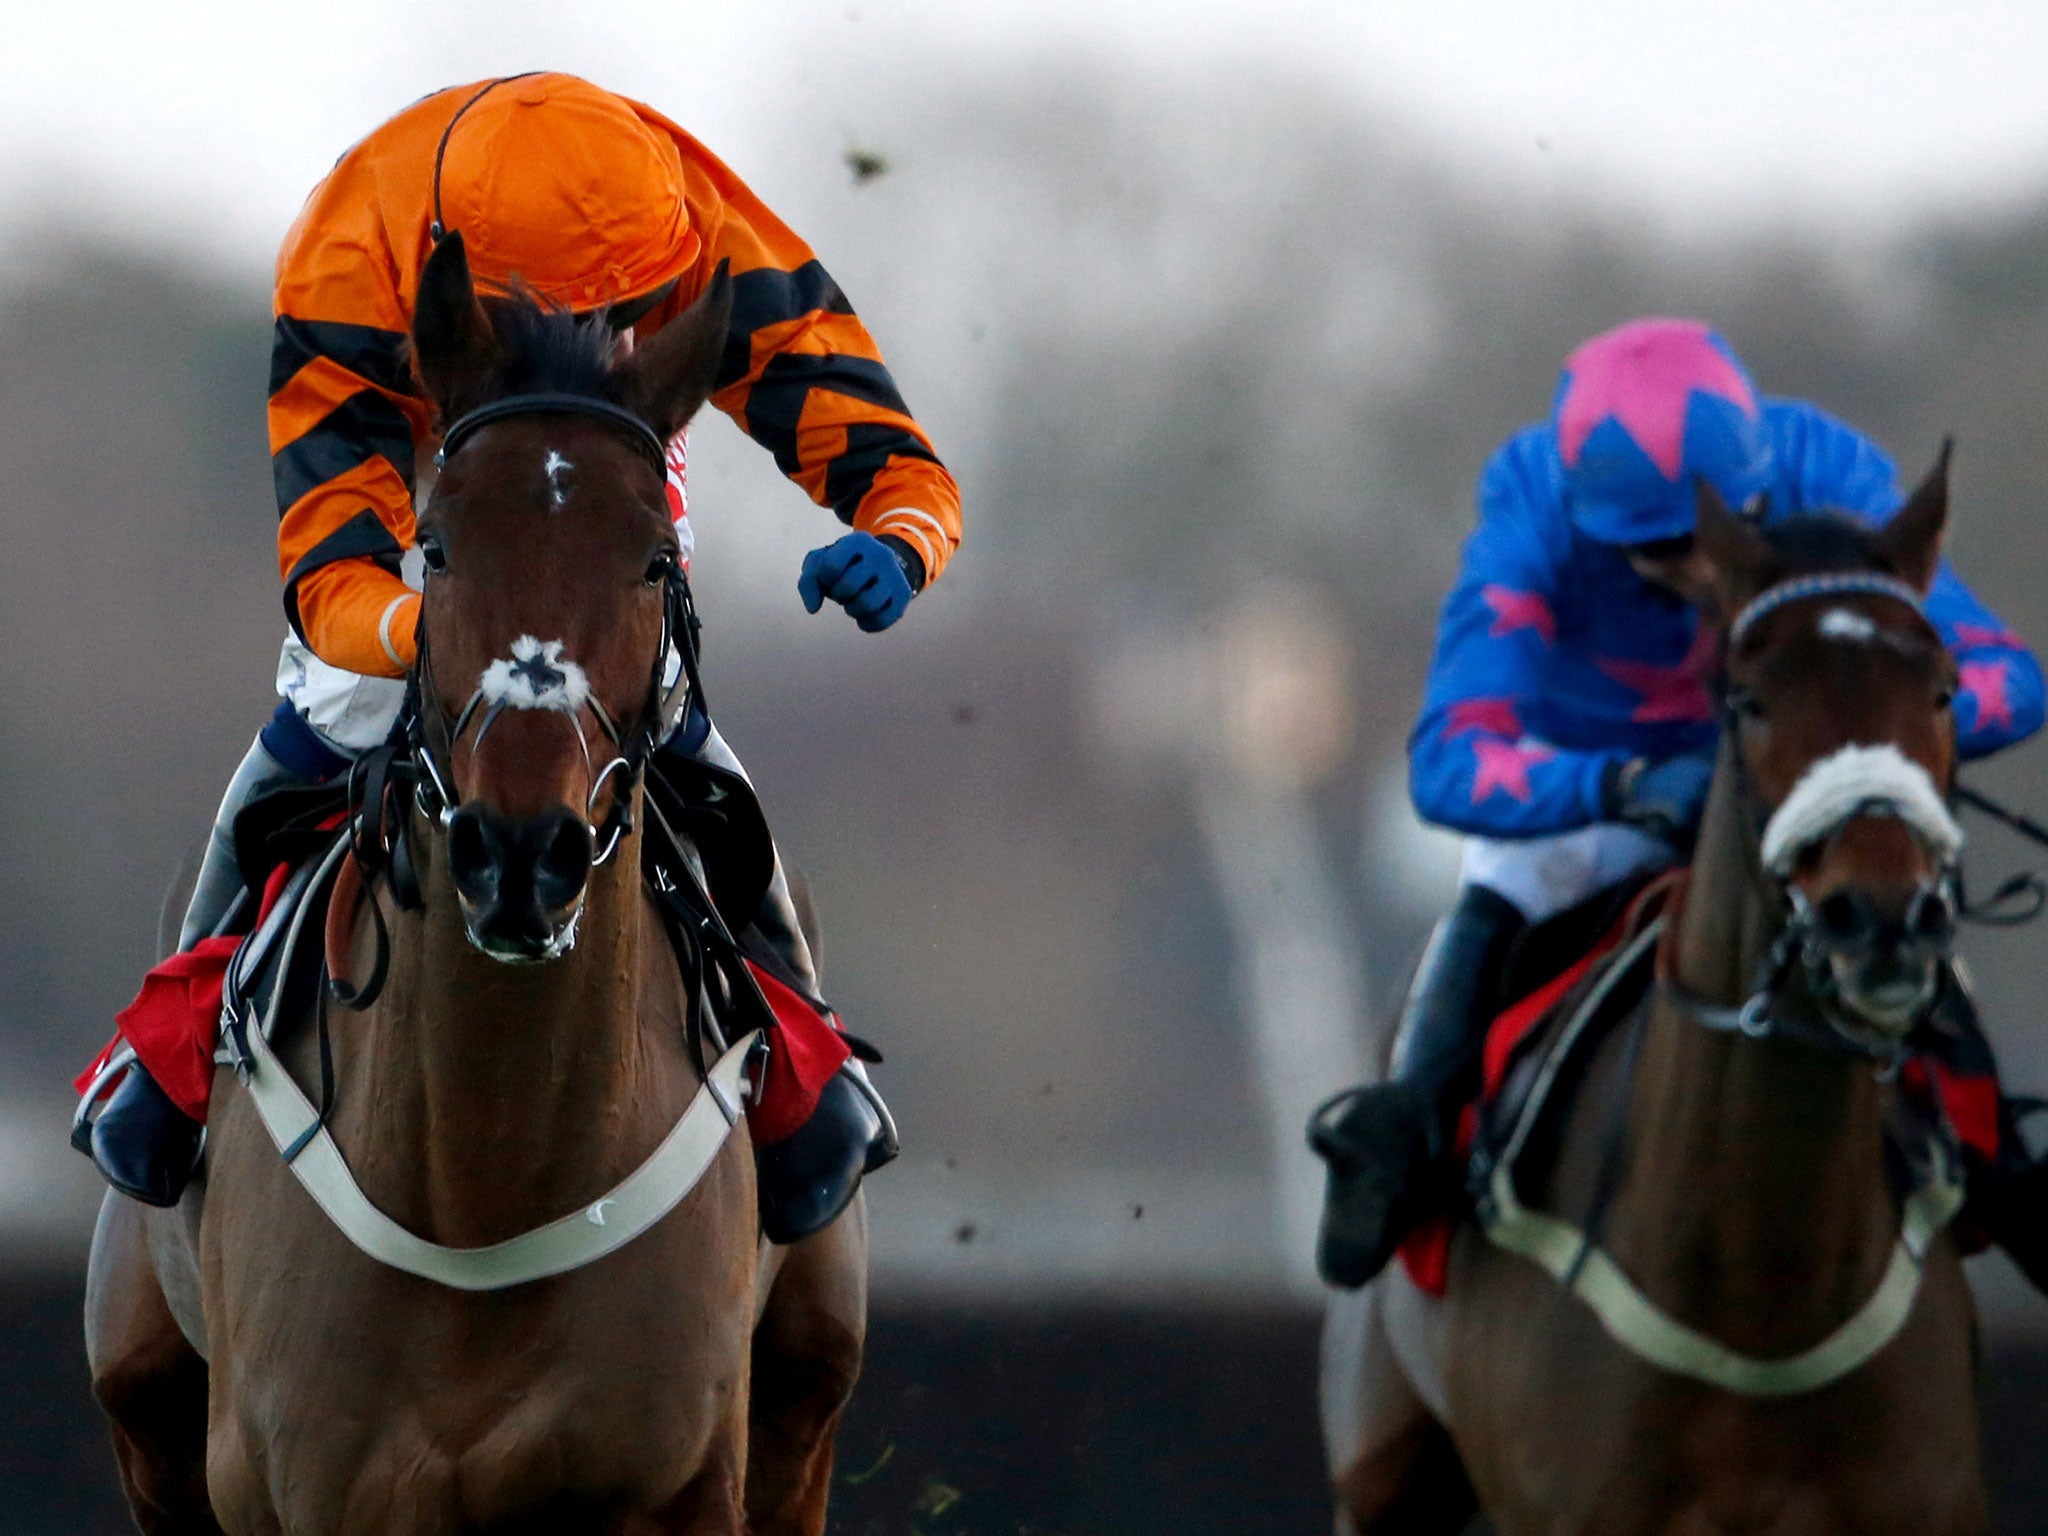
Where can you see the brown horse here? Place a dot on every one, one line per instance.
(1751, 1212)
(262, 1374)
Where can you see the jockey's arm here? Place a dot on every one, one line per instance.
(804, 379)
(344, 428)
(1470, 766)
(2001, 698)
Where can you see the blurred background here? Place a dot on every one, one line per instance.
(1215, 311)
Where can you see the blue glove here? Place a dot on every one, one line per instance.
(864, 575)
(1664, 799)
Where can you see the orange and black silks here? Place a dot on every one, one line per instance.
(584, 199)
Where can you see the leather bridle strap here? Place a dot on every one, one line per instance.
(433, 738)
(645, 440)
(1824, 584)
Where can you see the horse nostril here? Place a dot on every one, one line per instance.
(1931, 919)
(474, 856)
(563, 867)
(1843, 918)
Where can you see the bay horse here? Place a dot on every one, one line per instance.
(528, 1050)
(1795, 1362)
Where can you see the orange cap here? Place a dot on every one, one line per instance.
(561, 186)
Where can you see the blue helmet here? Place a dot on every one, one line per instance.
(1643, 409)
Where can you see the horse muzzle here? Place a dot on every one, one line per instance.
(521, 883)
(1881, 960)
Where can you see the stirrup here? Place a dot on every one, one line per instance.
(1377, 1188)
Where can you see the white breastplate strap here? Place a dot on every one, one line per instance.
(1640, 1326)
(648, 1193)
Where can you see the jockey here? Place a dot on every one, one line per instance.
(1566, 728)
(598, 204)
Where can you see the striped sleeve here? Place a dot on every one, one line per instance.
(804, 379)
(343, 425)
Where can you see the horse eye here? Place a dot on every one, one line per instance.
(1946, 696)
(661, 567)
(1745, 703)
(431, 552)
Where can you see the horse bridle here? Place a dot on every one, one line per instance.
(425, 738)
(1800, 942)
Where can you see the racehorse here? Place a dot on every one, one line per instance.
(1751, 1330)
(528, 1050)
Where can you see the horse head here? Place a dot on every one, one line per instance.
(552, 589)
(1836, 696)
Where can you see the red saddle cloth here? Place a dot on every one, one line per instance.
(174, 1026)
(1969, 1100)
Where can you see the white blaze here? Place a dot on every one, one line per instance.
(558, 469)
(1848, 624)
(537, 676)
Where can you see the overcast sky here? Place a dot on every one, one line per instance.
(208, 122)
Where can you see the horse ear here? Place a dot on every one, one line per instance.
(454, 349)
(1911, 541)
(668, 378)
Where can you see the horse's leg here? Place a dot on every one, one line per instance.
(807, 1353)
(1393, 1467)
(151, 1383)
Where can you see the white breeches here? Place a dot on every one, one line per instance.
(1543, 876)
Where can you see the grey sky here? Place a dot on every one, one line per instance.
(208, 122)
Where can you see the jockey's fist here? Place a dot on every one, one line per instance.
(872, 579)
(1663, 798)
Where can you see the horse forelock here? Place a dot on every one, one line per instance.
(549, 350)
(1811, 543)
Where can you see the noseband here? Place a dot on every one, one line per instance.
(1773, 842)
(424, 740)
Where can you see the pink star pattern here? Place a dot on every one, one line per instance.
(1985, 682)
(1633, 376)
(1490, 717)
(1514, 610)
(1504, 766)
(1670, 694)
(1985, 634)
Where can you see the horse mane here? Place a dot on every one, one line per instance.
(549, 350)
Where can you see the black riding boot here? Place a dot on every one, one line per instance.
(2008, 1200)
(145, 1146)
(1386, 1143)
(2011, 1200)
(808, 1178)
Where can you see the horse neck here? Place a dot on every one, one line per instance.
(499, 1096)
(1756, 1202)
